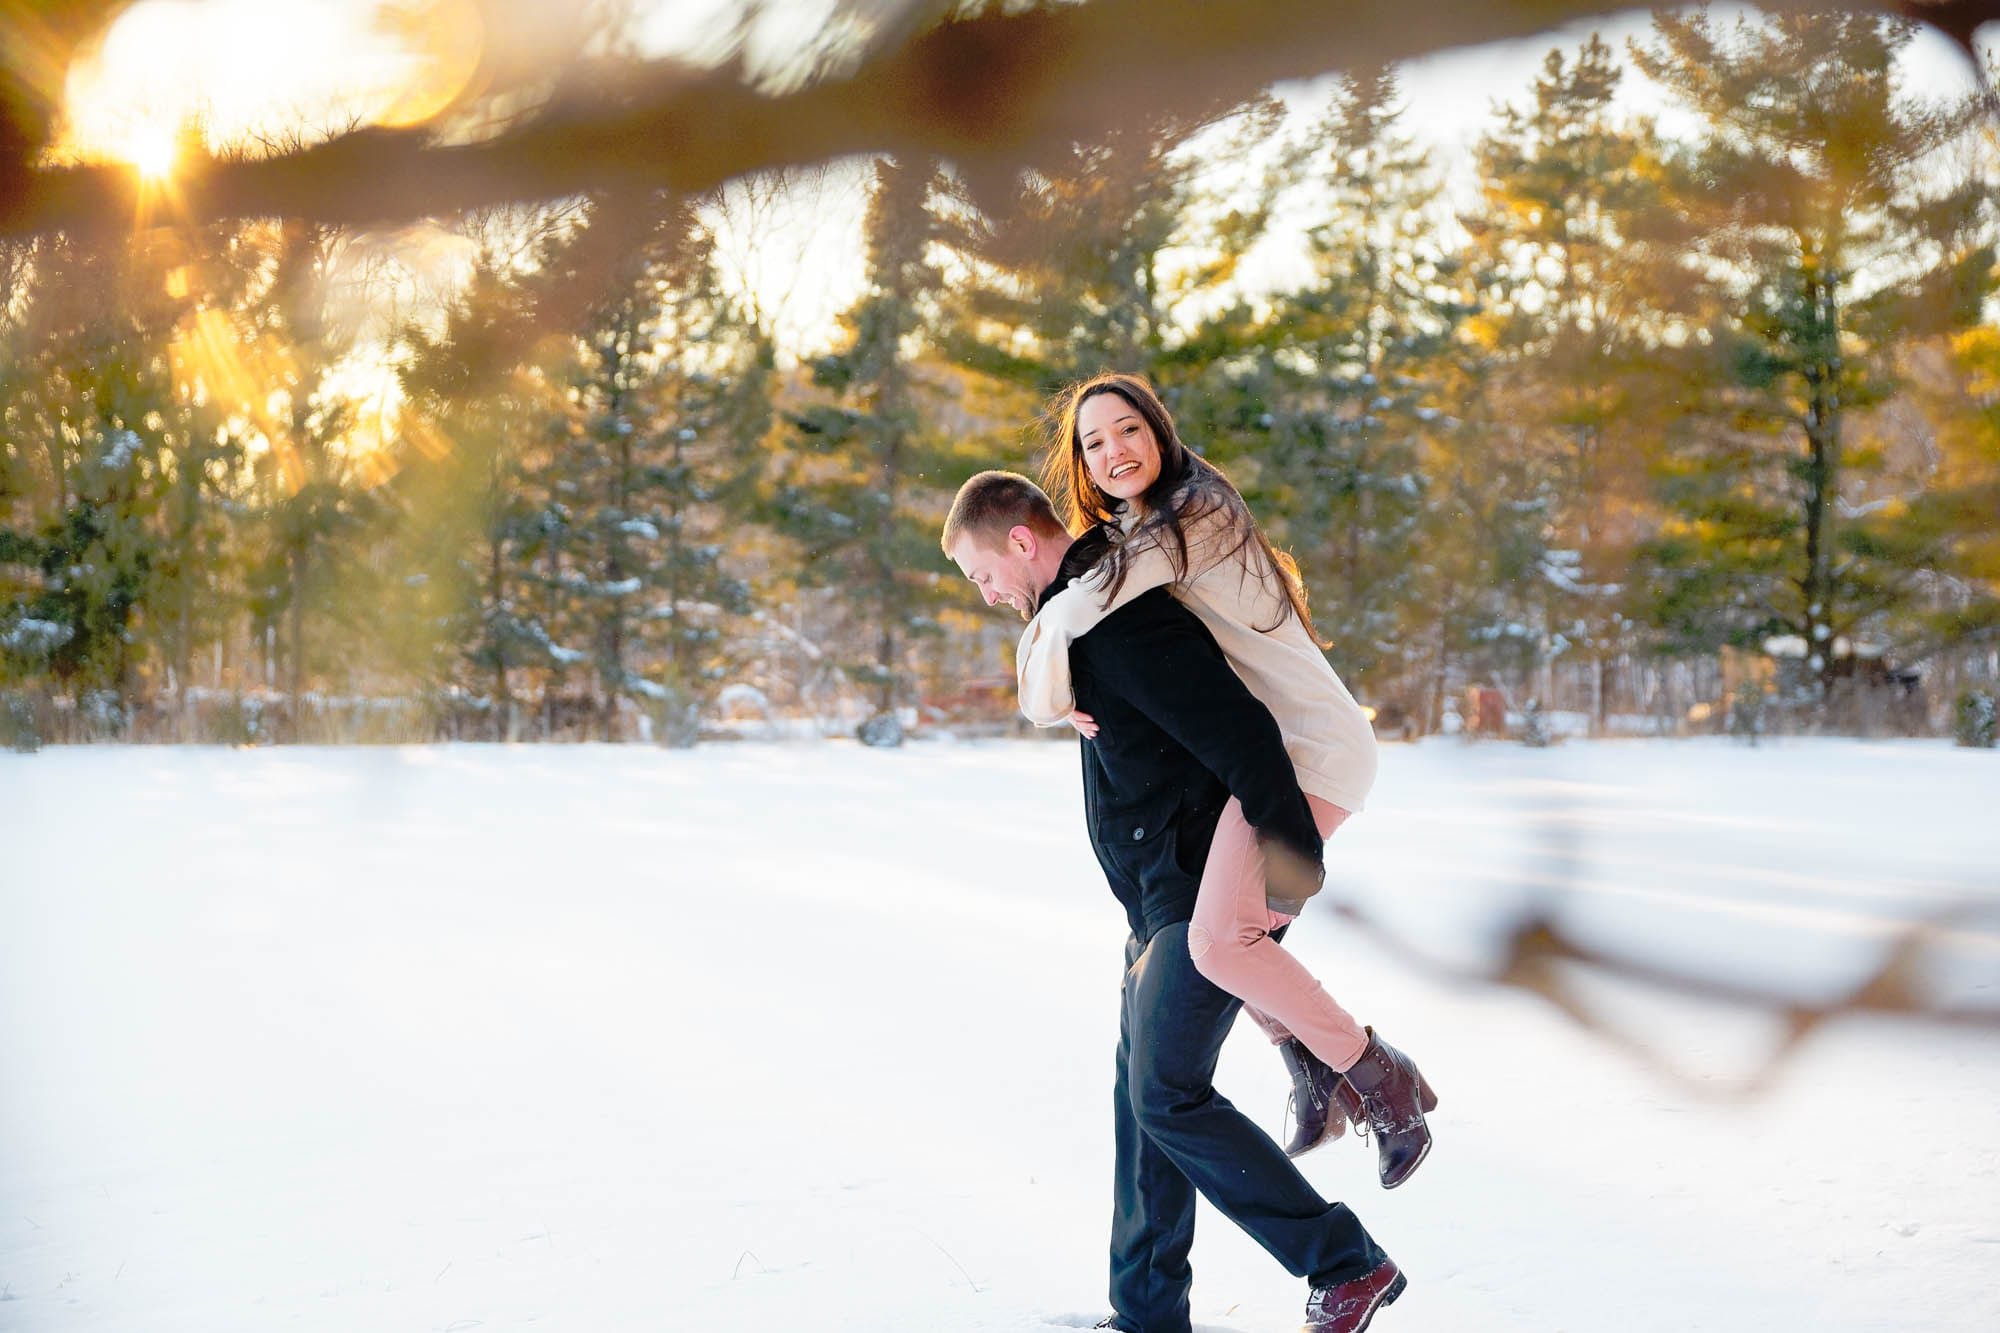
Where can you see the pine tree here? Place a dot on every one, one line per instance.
(668, 396)
(469, 526)
(713, 401)
(1071, 275)
(1330, 409)
(1826, 252)
(311, 506)
(1564, 258)
(1949, 509)
(87, 395)
(870, 476)
(197, 599)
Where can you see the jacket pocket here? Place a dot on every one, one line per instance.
(1132, 827)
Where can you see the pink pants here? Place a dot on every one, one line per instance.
(1230, 939)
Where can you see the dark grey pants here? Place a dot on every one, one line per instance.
(1176, 1134)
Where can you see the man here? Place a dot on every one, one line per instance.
(1178, 735)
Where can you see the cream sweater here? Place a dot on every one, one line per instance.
(1329, 738)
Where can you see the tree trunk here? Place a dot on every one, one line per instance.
(1822, 426)
(611, 668)
(1597, 700)
(503, 700)
(295, 659)
(885, 573)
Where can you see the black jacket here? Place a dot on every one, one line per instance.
(1179, 734)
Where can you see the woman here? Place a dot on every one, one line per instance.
(1175, 520)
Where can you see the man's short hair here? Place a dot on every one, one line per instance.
(993, 504)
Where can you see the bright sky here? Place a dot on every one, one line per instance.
(1451, 95)
(263, 67)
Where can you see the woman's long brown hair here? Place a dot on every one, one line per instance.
(1189, 487)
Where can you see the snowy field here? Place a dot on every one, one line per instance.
(812, 1037)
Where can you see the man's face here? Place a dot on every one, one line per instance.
(1003, 572)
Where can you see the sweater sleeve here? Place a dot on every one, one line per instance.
(1041, 667)
(1041, 660)
(1159, 658)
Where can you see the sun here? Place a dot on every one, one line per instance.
(150, 150)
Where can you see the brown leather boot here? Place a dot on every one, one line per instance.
(1348, 1306)
(1315, 1107)
(1394, 1098)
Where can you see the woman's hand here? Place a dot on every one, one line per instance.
(1085, 724)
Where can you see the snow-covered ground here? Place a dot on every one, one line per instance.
(815, 1037)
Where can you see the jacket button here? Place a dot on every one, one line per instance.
(1138, 834)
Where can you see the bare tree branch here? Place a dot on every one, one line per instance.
(992, 93)
(1542, 959)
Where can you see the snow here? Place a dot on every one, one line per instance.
(31, 637)
(742, 697)
(125, 446)
(817, 1036)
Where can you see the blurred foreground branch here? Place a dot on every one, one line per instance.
(992, 93)
(1540, 957)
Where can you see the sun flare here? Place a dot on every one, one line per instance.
(151, 152)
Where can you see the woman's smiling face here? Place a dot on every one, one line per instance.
(1119, 450)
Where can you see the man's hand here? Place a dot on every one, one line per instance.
(1085, 724)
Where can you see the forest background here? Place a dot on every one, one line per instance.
(1647, 421)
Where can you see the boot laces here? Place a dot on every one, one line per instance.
(1382, 1117)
